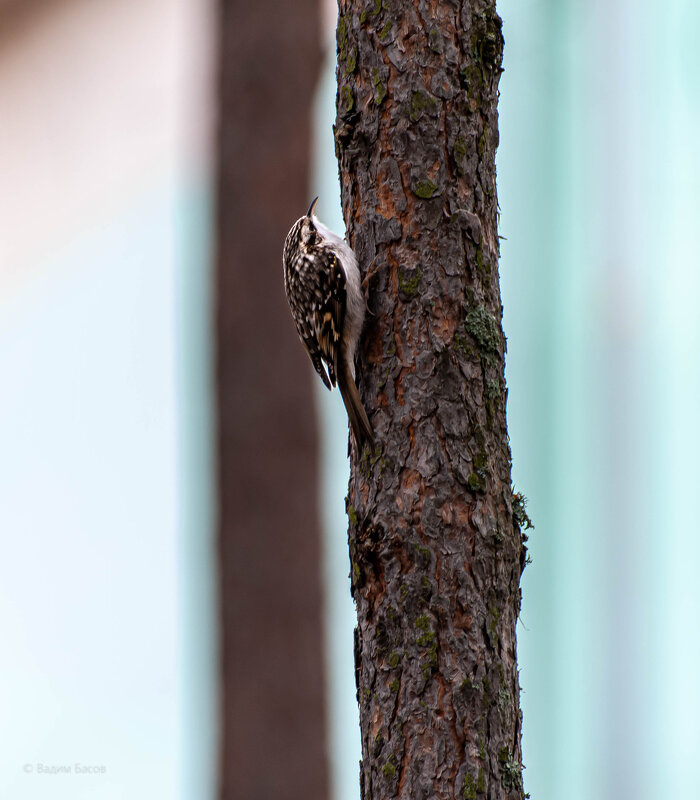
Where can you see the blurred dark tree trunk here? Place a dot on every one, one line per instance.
(435, 531)
(273, 726)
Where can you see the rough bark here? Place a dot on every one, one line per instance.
(435, 531)
(273, 732)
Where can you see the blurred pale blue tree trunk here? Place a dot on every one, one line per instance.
(599, 180)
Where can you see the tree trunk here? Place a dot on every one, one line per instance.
(435, 531)
(273, 731)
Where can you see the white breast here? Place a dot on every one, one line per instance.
(355, 302)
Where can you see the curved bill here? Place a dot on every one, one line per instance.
(311, 207)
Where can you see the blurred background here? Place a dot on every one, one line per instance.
(116, 354)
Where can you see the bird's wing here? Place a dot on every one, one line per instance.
(329, 315)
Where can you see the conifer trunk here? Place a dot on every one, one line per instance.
(435, 531)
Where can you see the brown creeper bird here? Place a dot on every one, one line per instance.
(322, 282)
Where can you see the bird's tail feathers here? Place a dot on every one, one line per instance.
(361, 429)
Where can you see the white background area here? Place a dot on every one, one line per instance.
(107, 659)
